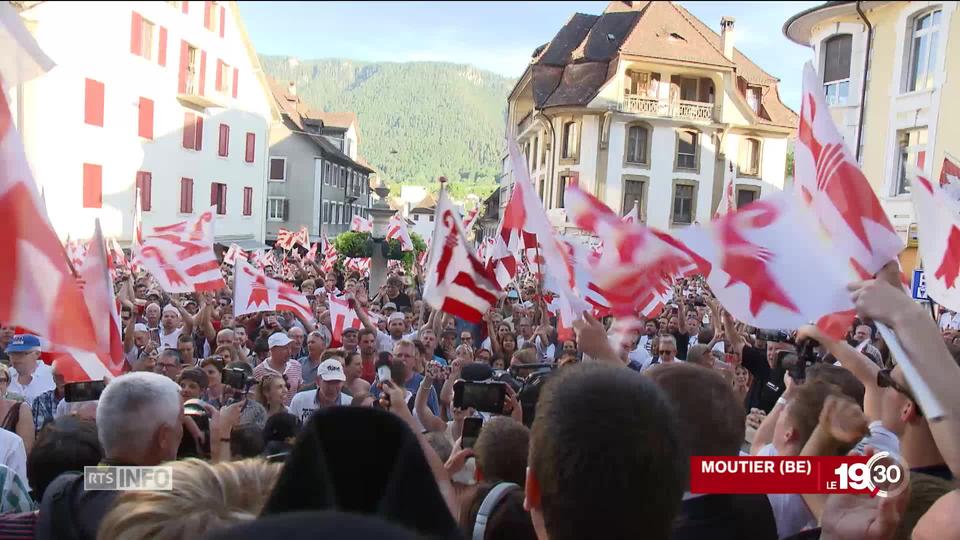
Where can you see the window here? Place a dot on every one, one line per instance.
(248, 201)
(145, 118)
(432, 216)
(687, 149)
(145, 185)
(93, 103)
(836, 68)
(689, 89)
(213, 16)
(683, 204)
(633, 191)
(340, 219)
(278, 169)
(141, 36)
(749, 163)
(534, 149)
(565, 180)
(343, 177)
(754, 94)
(192, 131)
(746, 195)
(250, 150)
(224, 81)
(325, 212)
(223, 150)
(218, 197)
(913, 151)
(638, 140)
(416, 217)
(186, 195)
(638, 82)
(326, 173)
(923, 51)
(276, 206)
(570, 141)
(92, 185)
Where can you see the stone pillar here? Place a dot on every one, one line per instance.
(380, 213)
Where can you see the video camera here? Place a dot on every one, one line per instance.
(484, 388)
(796, 363)
(527, 380)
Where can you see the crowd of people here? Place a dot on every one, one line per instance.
(276, 424)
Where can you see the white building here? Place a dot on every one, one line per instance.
(165, 95)
(645, 103)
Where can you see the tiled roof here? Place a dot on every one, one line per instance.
(428, 203)
(580, 59)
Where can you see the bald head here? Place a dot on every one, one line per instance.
(226, 337)
(700, 354)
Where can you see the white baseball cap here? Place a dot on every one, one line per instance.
(331, 370)
(278, 339)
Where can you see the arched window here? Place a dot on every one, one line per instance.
(749, 164)
(836, 68)
(924, 45)
(638, 144)
(569, 140)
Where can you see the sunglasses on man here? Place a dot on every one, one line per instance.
(885, 380)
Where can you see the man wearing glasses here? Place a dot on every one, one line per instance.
(168, 364)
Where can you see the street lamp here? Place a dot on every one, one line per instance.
(380, 213)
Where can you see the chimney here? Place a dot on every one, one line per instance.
(727, 36)
(292, 88)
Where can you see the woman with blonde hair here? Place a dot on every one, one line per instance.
(269, 393)
(16, 415)
(203, 498)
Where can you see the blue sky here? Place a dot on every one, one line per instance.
(498, 36)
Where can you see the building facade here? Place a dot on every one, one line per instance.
(165, 96)
(885, 68)
(314, 178)
(645, 103)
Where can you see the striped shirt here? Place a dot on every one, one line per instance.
(292, 373)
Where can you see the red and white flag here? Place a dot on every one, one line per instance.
(312, 252)
(329, 256)
(37, 289)
(950, 178)
(269, 258)
(938, 225)
(769, 265)
(253, 291)
(397, 230)
(424, 255)
(728, 203)
(118, 258)
(828, 178)
(638, 264)
(471, 219)
(361, 224)
(633, 216)
(230, 257)
(76, 252)
(285, 239)
(303, 238)
(457, 282)
(342, 316)
(181, 257)
(358, 265)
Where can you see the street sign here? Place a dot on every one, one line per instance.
(919, 288)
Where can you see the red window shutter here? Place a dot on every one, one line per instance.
(223, 150)
(248, 201)
(184, 66)
(185, 5)
(199, 134)
(190, 131)
(92, 185)
(251, 147)
(213, 194)
(162, 53)
(223, 20)
(186, 195)
(136, 34)
(93, 103)
(207, 11)
(219, 80)
(144, 182)
(203, 71)
(145, 129)
(236, 77)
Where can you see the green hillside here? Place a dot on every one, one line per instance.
(418, 120)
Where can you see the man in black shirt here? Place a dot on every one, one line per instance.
(767, 384)
(677, 327)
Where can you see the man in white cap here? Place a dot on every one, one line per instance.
(29, 376)
(396, 326)
(279, 362)
(329, 392)
(171, 327)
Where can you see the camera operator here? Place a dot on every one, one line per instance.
(767, 386)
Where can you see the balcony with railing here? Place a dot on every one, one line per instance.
(693, 111)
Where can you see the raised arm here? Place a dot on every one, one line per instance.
(862, 367)
(593, 340)
(361, 314)
(764, 434)
(730, 330)
(430, 421)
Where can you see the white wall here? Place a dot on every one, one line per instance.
(773, 162)
(421, 225)
(92, 40)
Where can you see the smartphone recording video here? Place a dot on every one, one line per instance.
(83, 391)
(471, 430)
(482, 396)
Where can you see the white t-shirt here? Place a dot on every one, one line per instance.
(13, 454)
(880, 438)
(41, 382)
(789, 510)
(169, 341)
(304, 403)
(950, 319)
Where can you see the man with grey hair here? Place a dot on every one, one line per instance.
(139, 423)
(297, 336)
(168, 364)
(316, 346)
(29, 376)
(700, 354)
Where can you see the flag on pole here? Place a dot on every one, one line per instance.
(471, 219)
(76, 252)
(303, 237)
(181, 256)
(253, 291)
(231, 256)
(769, 265)
(361, 224)
(312, 252)
(397, 230)
(457, 282)
(633, 216)
(37, 288)
(342, 316)
(950, 177)
(329, 255)
(828, 178)
(285, 239)
(727, 203)
(938, 225)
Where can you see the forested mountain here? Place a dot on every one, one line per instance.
(418, 120)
